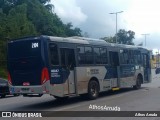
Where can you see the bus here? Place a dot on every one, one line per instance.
(73, 66)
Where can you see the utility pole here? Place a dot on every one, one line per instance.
(145, 36)
(116, 21)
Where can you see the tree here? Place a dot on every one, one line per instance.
(19, 18)
(3, 23)
(72, 32)
(109, 39)
(17, 23)
(40, 14)
(125, 37)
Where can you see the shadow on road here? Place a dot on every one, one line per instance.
(55, 103)
(8, 96)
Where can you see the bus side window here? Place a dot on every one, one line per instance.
(81, 55)
(67, 58)
(54, 54)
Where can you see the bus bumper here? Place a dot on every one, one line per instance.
(29, 90)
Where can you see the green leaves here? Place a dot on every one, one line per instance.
(17, 23)
(123, 37)
(20, 18)
(32, 17)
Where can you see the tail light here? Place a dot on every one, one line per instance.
(9, 78)
(44, 75)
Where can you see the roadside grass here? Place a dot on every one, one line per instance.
(3, 73)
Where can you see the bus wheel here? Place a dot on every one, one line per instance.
(138, 84)
(93, 90)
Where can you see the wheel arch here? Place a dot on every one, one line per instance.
(94, 79)
(140, 76)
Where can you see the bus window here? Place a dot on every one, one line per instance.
(67, 58)
(104, 55)
(81, 55)
(124, 57)
(97, 56)
(131, 57)
(88, 55)
(114, 60)
(85, 55)
(54, 54)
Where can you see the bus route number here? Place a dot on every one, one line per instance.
(34, 45)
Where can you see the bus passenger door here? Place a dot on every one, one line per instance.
(68, 65)
(114, 62)
(146, 65)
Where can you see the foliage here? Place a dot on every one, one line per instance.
(109, 39)
(32, 17)
(123, 37)
(20, 18)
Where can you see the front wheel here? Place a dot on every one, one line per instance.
(93, 90)
(138, 84)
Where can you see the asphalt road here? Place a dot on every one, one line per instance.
(145, 99)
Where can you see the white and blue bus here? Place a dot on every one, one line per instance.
(74, 66)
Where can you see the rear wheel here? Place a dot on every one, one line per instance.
(138, 84)
(93, 89)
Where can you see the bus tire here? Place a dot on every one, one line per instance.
(93, 89)
(138, 84)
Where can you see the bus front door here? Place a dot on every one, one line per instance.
(68, 65)
(146, 65)
(114, 62)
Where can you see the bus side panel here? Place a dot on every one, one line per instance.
(126, 75)
(131, 81)
(85, 74)
(82, 80)
(57, 90)
(127, 82)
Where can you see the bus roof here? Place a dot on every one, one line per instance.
(81, 40)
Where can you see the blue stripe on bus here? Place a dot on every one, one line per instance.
(124, 71)
(111, 72)
(127, 70)
(59, 75)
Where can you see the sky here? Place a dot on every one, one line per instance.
(92, 16)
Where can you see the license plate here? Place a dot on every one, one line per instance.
(25, 89)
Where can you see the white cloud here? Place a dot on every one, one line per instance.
(68, 11)
(92, 16)
(144, 16)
